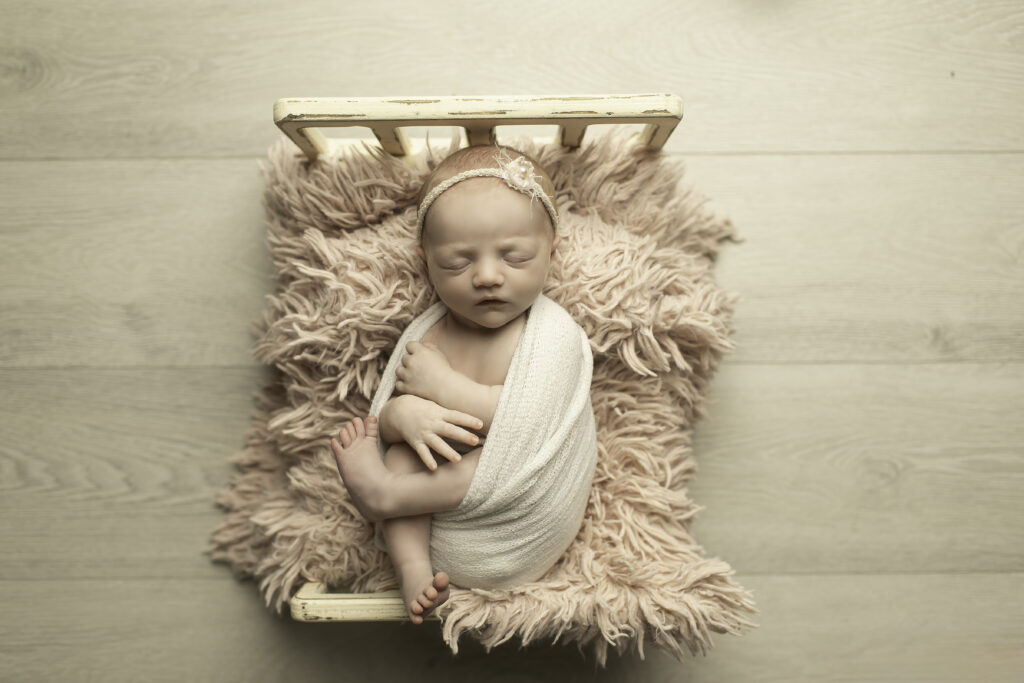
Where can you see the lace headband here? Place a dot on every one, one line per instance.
(517, 174)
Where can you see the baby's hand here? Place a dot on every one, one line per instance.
(424, 370)
(421, 424)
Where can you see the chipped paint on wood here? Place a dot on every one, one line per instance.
(300, 118)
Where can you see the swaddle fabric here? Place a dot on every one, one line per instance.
(529, 492)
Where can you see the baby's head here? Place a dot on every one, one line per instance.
(487, 236)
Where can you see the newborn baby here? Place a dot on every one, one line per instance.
(488, 231)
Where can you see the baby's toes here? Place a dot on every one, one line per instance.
(344, 437)
(371, 426)
(360, 432)
(425, 601)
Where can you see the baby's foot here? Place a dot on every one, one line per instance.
(422, 590)
(361, 468)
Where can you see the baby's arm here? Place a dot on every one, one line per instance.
(423, 424)
(425, 372)
(463, 394)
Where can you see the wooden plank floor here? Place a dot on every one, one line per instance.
(862, 467)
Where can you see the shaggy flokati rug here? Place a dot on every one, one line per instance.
(634, 269)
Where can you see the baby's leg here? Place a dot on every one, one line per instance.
(401, 494)
(380, 494)
(408, 544)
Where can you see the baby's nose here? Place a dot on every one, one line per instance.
(487, 273)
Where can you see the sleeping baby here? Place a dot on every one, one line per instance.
(499, 506)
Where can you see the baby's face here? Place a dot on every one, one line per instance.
(481, 241)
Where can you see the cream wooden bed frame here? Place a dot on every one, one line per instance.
(300, 119)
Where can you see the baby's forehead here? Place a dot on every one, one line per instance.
(445, 236)
(470, 208)
(482, 189)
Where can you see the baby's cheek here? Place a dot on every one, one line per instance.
(447, 289)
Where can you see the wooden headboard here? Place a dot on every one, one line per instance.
(300, 118)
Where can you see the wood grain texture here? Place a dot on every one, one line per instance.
(863, 460)
(123, 79)
(847, 258)
(887, 627)
(804, 469)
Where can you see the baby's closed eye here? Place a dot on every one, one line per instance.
(514, 257)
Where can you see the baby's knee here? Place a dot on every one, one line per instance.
(466, 467)
(402, 459)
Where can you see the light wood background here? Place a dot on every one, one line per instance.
(863, 465)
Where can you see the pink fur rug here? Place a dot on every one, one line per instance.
(635, 271)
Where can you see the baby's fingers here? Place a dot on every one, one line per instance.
(442, 447)
(460, 434)
(464, 419)
(424, 453)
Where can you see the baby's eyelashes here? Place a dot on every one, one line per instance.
(511, 258)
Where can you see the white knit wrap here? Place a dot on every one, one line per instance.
(528, 495)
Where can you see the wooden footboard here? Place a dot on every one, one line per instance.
(313, 603)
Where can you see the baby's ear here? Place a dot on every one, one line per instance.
(554, 244)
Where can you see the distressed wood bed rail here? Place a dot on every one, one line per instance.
(301, 118)
(312, 602)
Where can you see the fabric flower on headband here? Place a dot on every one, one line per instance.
(518, 174)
